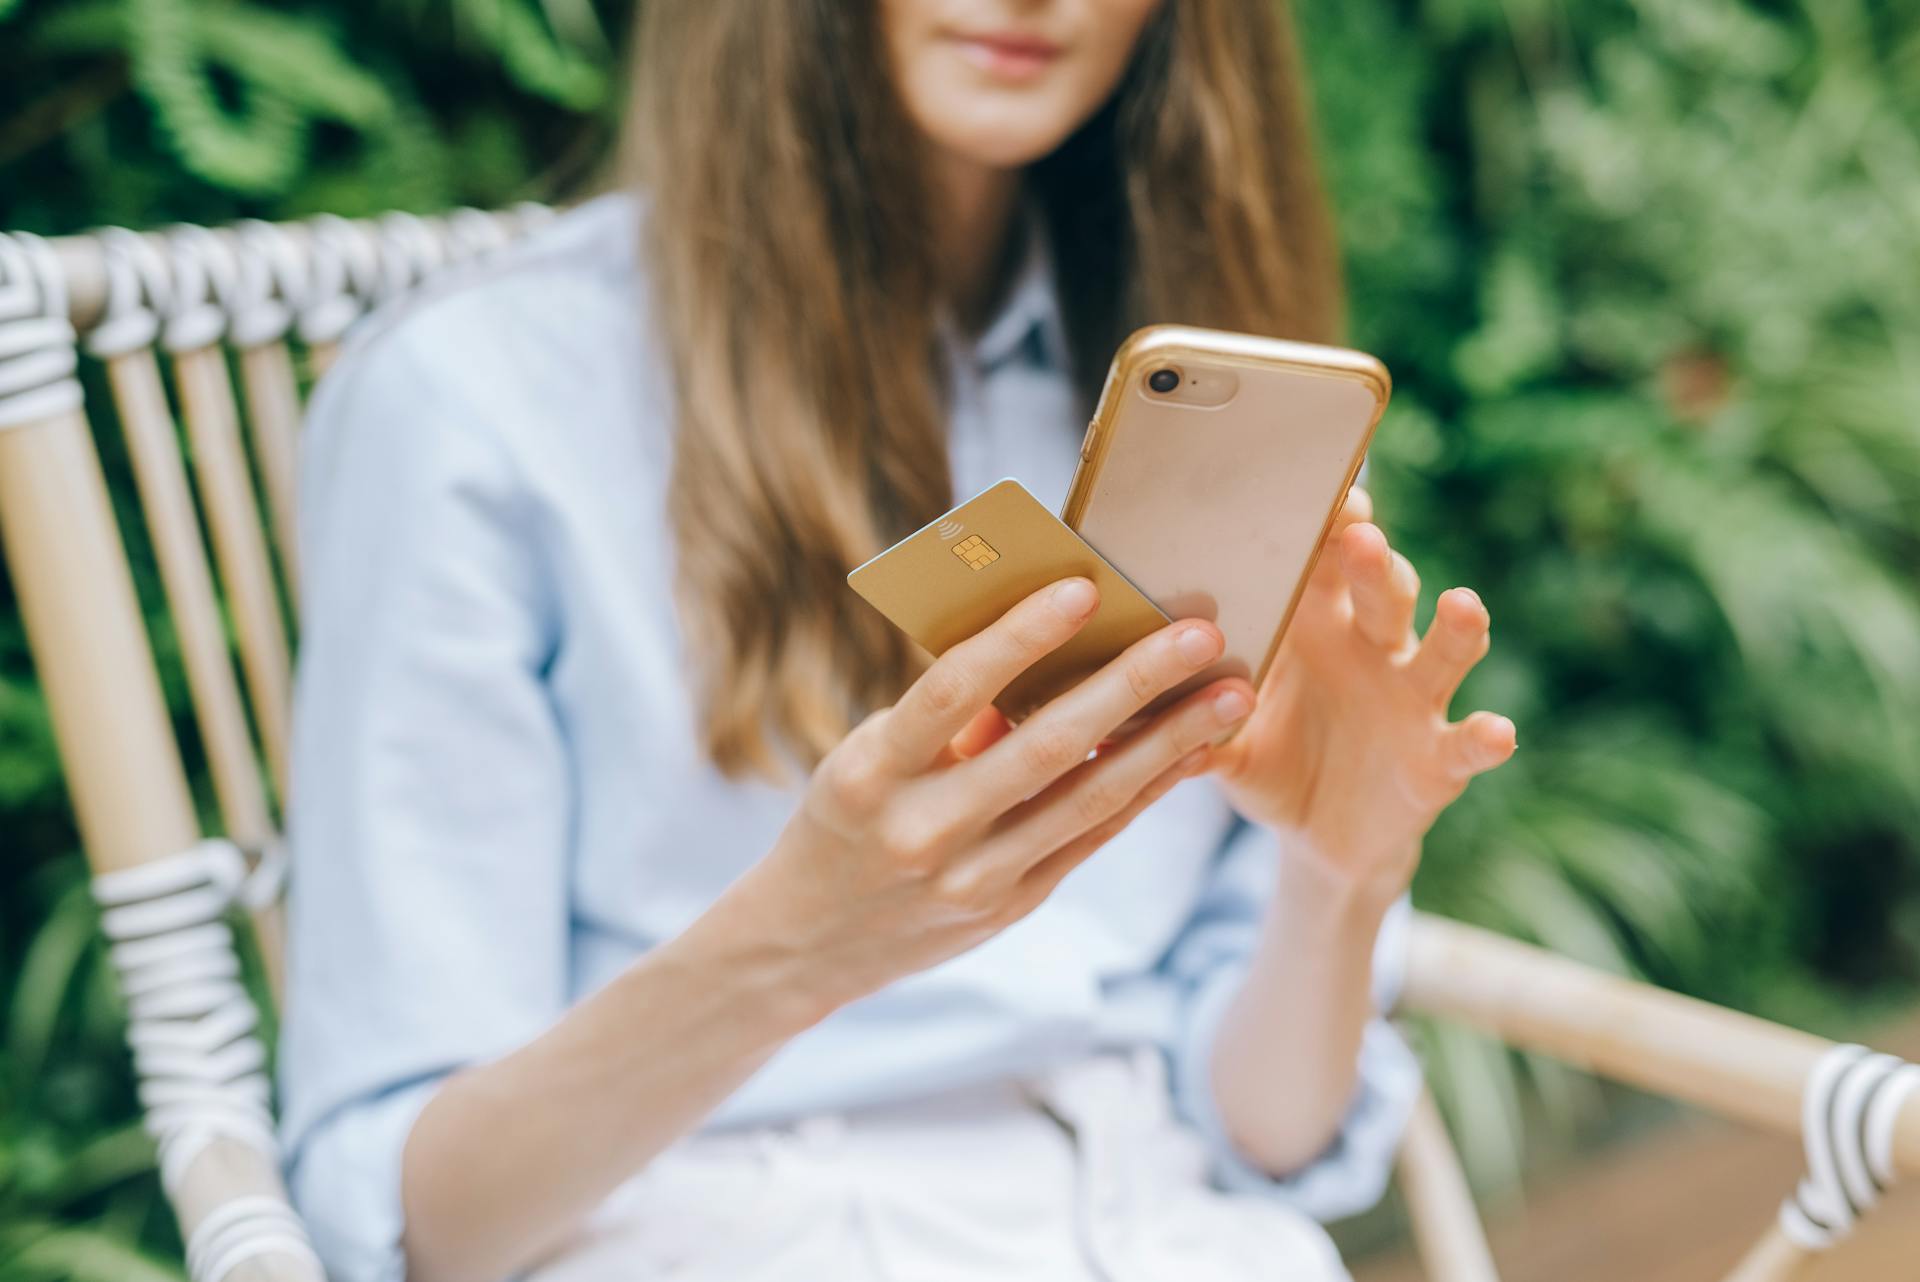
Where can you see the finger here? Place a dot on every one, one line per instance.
(1061, 734)
(1358, 507)
(1384, 585)
(1327, 574)
(961, 683)
(1039, 881)
(1476, 745)
(1457, 639)
(987, 728)
(1097, 790)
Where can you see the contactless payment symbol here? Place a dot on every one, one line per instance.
(976, 552)
(948, 527)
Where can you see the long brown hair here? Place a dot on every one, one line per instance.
(789, 249)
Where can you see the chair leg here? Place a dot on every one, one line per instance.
(1446, 1227)
(1774, 1258)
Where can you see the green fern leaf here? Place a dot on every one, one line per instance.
(32, 1251)
(301, 60)
(532, 56)
(257, 148)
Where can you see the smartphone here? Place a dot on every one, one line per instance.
(1213, 470)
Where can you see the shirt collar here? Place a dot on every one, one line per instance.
(1028, 324)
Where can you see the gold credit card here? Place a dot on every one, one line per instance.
(950, 579)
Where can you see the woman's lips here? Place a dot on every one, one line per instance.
(1008, 57)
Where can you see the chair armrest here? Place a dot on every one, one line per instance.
(1717, 1059)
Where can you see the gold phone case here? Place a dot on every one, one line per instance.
(1219, 510)
(948, 580)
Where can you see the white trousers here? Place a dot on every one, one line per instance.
(1083, 1176)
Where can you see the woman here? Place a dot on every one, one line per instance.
(656, 915)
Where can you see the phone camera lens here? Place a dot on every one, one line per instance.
(1164, 380)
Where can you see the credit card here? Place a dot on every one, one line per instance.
(950, 579)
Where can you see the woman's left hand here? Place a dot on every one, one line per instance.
(1350, 744)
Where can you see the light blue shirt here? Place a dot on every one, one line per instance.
(499, 798)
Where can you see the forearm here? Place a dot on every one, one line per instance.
(1287, 1051)
(508, 1155)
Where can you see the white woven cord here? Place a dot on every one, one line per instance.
(202, 1071)
(252, 283)
(205, 277)
(139, 288)
(37, 357)
(289, 272)
(1849, 1113)
(325, 306)
(412, 250)
(256, 313)
(474, 235)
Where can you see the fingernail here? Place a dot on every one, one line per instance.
(1231, 705)
(1075, 598)
(1193, 762)
(1198, 645)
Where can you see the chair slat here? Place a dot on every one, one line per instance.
(224, 1172)
(76, 595)
(1774, 1258)
(321, 356)
(273, 413)
(226, 489)
(1446, 1227)
(167, 504)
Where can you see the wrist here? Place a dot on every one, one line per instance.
(1342, 892)
(751, 972)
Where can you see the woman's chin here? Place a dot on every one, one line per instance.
(995, 142)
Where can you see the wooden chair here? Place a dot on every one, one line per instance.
(277, 296)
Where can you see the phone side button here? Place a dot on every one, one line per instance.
(1086, 442)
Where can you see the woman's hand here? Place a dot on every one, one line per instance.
(1351, 749)
(1351, 745)
(927, 831)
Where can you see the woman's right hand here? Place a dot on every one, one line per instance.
(907, 850)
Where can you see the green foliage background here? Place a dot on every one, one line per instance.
(1648, 276)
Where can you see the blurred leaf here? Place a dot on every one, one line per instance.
(44, 980)
(301, 59)
(44, 1250)
(253, 146)
(102, 1161)
(537, 61)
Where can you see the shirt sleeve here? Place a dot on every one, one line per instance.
(1209, 962)
(428, 909)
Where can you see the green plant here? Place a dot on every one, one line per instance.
(1645, 273)
(138, 111)
(78, 1196)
